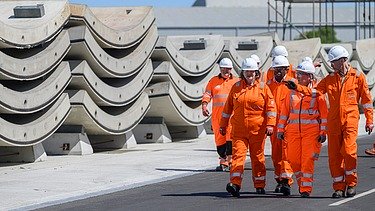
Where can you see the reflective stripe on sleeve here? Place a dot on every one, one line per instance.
(323, 120)
(280, 125)
(220, 96)
(283, 117)
(218, 104)
(271, 114)
(367, 105)
(225, 115)
(303, 121)
(323, 128)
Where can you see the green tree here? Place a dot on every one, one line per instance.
(325, 33)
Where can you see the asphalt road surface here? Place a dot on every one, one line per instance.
(206, 191)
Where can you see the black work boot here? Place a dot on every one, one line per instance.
(350, 192)
(233, 189)
(338, 194)
(285, 187)
(278, 187)
(305, 194)
(260, 191)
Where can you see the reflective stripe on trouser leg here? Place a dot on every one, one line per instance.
(335, 159)
(276, 154)
(239, 148)
(258, 160)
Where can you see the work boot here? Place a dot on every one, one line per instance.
(338, 194)
(305, 194)
(260, 191)
(285, 189)
(233, 189)
(350, 192)
(278, 187)
(370, 151)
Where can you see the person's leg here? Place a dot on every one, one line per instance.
(239, 148)
(258, 161)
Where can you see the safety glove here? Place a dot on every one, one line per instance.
(223, 131)
(205, 111)
(280, 135)
(369, 128)
(291, 85)
(322, 138)
(269, 130)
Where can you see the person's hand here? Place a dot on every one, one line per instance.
(290, 84)
(223, 131)
(269, 130)
(205, 111)
(280, 135)
(322, 138)
(369, 128)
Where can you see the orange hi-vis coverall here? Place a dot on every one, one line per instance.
(279, 91)
(218, 89)
(343, 116)
(303, 119)
(253, 110)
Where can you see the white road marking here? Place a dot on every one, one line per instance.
(352, 198)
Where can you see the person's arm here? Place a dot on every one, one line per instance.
(323, 114)
(270, 111)
(284, 116)
(321, 87)
(207, 96)
(366, 101)
(227, 112)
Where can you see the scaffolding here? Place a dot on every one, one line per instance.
(363, 23)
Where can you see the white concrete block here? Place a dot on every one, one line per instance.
(152, 133)
(109, 142)
(27, 154)
(68, 144)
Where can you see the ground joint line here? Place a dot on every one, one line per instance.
(352, 198)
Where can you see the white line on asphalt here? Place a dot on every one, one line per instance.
(352, 198)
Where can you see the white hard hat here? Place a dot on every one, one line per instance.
(249, 64)
(279, 51)
(255, 57)
(337, 52)
(306, 67)
(307, 58)
(226, 63)
(280, 61)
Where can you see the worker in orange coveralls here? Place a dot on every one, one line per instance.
(218, 89)
(254, 117)
(345, 87)
(279, 50)
(302, 125)
(280, 66)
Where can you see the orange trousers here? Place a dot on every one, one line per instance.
(342, 155)
(300, 152)
(254, 144)
(276, 154)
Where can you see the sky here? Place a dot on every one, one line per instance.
(155, 3)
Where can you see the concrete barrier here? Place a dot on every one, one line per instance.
(110, 63)
(34, 63)
(364, 52)
(16, 32)
(299, 49)
(110, 92)
(32, 96)
(125, 29)
(189, 62)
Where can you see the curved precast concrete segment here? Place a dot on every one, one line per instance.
(189, 62)
(325, 49)
(188, 89)
(237, 55)
(32, 129)
(113, 121)
(30, 32)
(299, 49)
(115, 27)
(166, 103)
(32, 98)
(115, 92)
(30, 65)
(110, 63)
(365, 53)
